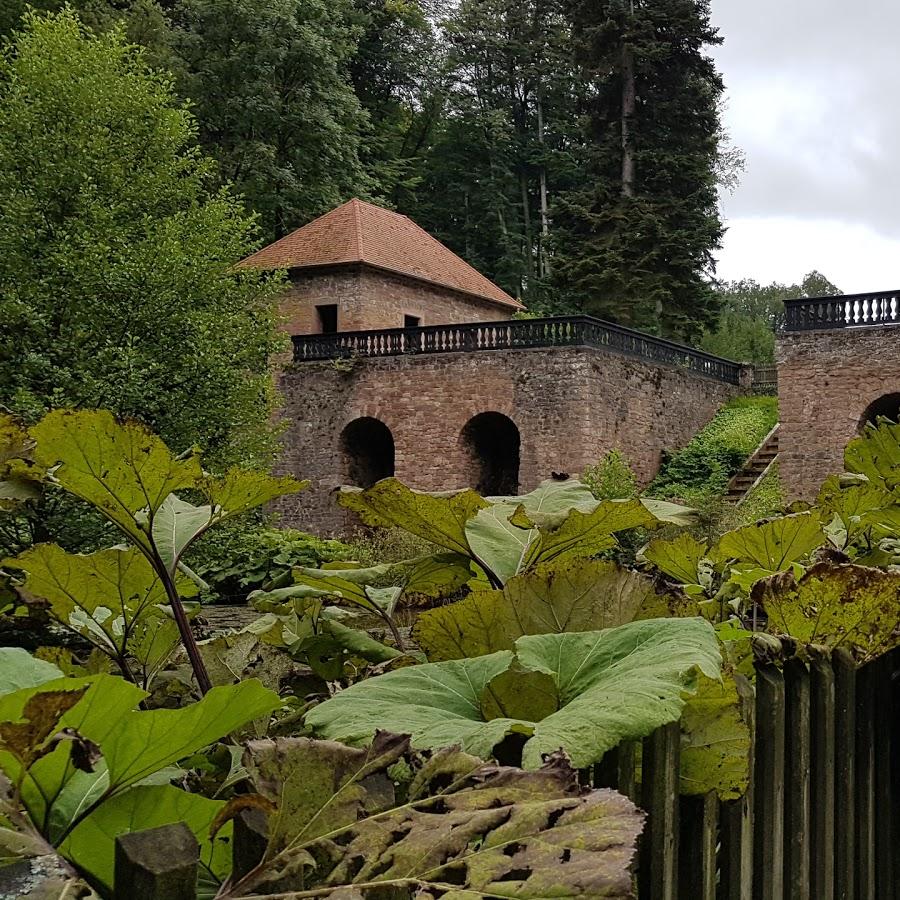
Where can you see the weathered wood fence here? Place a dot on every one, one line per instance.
(821, 820)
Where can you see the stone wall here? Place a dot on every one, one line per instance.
(826, 381)
(570, 405)
(370, 298)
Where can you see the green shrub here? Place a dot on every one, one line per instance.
(704, 467)
(243, 558)
(765, 499)
(612, 478)
(372, 546)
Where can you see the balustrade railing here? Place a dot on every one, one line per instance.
(844, 311)
(568, 331)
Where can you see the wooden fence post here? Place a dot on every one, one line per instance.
(798, 736)
(887, 786)
(157, 864)
(768, 838)
(616, 770)
(865, 783)
(697, 847)
(822, 777)
(658, 866)
(844, 774)
(736, 818)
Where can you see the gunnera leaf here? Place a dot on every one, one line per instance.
(773, 546)
(835, 605)
(876, 455)
(679, 558)
(612, 685)
(439, 518)
(121, 469)
(467, 829)
(587, 595)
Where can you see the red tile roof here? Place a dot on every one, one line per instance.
(359, 232)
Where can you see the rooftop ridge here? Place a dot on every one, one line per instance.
(361, 233)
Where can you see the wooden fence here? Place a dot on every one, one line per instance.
(821, 820)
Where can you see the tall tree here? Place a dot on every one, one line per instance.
(398, 73)
(117, 249)
(269, 85)
(635, 239)
(496, 160)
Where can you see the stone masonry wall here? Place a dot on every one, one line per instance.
(826, 380)
(368, 299)
(569, 404)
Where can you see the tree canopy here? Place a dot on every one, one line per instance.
(117, 248)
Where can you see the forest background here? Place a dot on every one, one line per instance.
(571, 150)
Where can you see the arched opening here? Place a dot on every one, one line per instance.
(886, 406)
(491, 441)
(367, 448)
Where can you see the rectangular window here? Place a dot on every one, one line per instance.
(412, 321)
(327, 319)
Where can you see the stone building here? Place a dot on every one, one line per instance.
(361, 267)
(408, 362)
(838, 368)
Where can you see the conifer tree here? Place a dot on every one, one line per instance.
(634, 241)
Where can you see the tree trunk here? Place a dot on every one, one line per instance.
(543, 259)
(628, 105)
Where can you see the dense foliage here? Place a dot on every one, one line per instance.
(116, 247)
(752, 312)
(703, 468)
(497, 125)
(636, 235)
(543, 645)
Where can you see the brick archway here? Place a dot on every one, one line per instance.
(367, 452)
(886, 406)
(492, 447)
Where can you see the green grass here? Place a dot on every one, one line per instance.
(765, 499)
(702, 470)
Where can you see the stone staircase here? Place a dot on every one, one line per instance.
(754, 469)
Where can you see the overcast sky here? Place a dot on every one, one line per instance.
(812, 100)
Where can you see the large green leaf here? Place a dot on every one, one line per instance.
(497, 544)
(618, 684)
(439, 518)
(120, 468)
(145, 742)
(835, 606)
(467, 830)
(581, 534)
(587, 595)
(175, 526)
(240, 490)
(774, 545)
(92, 843)
(610, 685)
(112, 597)
(876, 455)
(19, 669)
(715, 738)
(134, 744)
(679, 558)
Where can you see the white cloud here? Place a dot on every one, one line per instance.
(854, 257)
(809, 87)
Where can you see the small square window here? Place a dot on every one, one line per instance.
(412, 321)
(328, 319)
